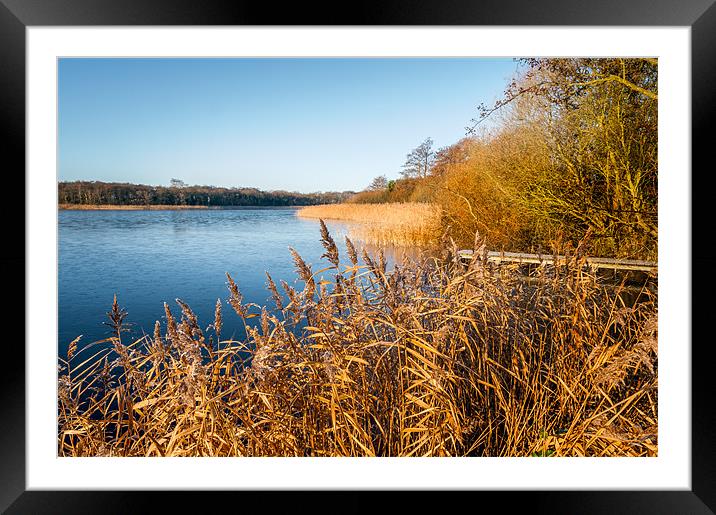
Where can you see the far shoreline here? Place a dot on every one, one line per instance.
(158, 207)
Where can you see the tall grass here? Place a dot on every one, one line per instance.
(436, 357)
(400, 223)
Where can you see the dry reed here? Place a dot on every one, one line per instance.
(403, 223)
(436, 357)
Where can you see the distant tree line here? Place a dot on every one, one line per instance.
(112, 193)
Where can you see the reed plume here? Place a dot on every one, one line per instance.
(434, 356)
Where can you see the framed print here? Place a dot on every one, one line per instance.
(477, 208)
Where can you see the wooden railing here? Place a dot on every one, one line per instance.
(594, 262)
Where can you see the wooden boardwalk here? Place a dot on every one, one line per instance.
(593, 262)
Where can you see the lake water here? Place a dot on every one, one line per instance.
(151, 257)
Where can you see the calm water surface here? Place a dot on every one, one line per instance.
(151, 257)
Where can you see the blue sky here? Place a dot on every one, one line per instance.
(295, 124)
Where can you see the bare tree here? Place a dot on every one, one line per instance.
(420, 160)
(380, 183)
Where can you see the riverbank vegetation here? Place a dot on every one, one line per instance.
(436, 357)
(573, 151)
(403, 224)
(83, 193)
(124, 207)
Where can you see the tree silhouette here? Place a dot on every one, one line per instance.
(419, 161)
(380, 183)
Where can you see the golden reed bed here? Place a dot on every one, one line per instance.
(404, 223)
(436, 357)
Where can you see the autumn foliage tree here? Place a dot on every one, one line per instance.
(573, 154)
(598, 120)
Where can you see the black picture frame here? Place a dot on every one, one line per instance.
(17, 15)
